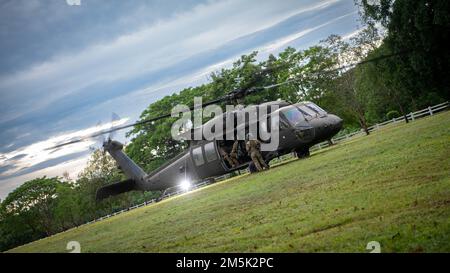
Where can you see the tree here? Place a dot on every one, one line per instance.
(379, 79)
(421, 30)
(100, 170)
(67, 209)
(352, 97)
(345, 54)
(32, 204)
(15, 231)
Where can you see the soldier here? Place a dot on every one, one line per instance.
(253, 147)
(234, 153)
(225, 156)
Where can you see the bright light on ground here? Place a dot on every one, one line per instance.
(185, 185)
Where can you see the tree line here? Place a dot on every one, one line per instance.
(402, 62)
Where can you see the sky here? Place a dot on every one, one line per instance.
(64, 69)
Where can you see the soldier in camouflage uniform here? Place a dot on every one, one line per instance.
(253, 147)
(229, 159)
(234, 153)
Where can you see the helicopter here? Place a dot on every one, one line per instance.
(298, 126)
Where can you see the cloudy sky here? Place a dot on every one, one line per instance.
(64, 69)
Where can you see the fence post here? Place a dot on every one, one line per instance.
(430, 111)
(320, 146)
(412, 116)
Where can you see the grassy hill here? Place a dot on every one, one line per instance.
(392, 187)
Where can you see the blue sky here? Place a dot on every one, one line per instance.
(66, 68)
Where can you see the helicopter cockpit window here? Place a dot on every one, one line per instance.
(308, 111)
(316, 108)
(293, 115)
(210, 152)
(198, 156)
(278, 122)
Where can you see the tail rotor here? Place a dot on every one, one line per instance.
(114, 118)
(100, 139)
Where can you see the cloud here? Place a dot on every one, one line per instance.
(223, 56)
(139, 53)
(73, 166)
(39, 155)
(290, 38)
(43, 164)
(32, 31)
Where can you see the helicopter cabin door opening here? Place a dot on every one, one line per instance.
(226, 146)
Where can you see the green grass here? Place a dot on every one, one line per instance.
(392, 187)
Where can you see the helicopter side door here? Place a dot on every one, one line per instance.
(207, 160)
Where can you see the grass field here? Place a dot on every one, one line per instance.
(392, 187)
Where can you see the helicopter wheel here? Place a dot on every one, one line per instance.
(302, 153)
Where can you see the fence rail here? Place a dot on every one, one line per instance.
(429, 111)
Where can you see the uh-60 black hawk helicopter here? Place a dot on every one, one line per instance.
(300, 126)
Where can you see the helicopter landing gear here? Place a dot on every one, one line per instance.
(302, 153)
(161, 196)
(330, 142)
(252, 168)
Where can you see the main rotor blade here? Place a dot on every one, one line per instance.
(118, 128)
(237, 93)
(66, 143)
(114, 117)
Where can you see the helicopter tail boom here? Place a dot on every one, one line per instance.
(126, 164)
(115, 189)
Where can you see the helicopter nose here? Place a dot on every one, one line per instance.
(337, 122)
